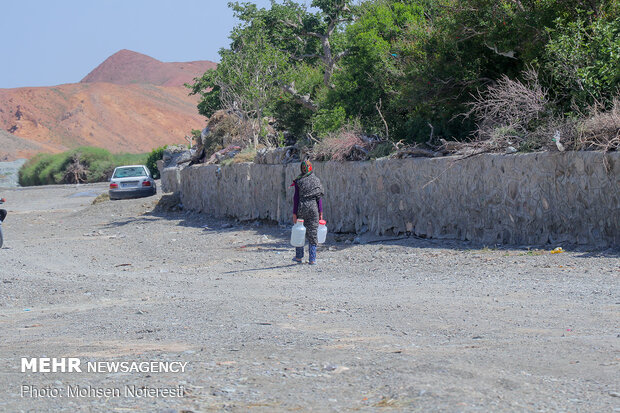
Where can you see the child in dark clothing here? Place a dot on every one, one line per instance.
(307, 205)
(2, 211)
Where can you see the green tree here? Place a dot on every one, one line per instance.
(583, 61)
(274, 59)
(408, 68)
(380, 44)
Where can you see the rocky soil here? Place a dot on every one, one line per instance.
(391, 325)
(13, 147)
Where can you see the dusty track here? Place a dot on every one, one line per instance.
(409, 325)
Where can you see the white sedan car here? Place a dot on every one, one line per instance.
(132, 181)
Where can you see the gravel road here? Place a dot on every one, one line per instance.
(396, 325)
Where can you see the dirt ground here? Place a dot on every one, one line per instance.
(393, 325)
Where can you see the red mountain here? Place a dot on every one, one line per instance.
(127, 67)
(129, 103)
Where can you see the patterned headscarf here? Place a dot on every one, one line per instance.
(306, 169)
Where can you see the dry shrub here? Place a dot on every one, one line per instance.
(226, 129)
(601, 130)
(514, 113)
(510, 104)
(76, 172)
(508, 112)
(348, 144)
(598, 130)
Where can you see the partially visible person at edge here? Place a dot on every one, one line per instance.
(2, 211)
(307, 205)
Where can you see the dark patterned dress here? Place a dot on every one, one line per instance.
(310, 192)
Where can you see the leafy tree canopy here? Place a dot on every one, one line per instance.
(411, 64)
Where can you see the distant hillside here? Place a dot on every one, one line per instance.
(13, 147)
(129, 103)
(120, 118)
(127, 67)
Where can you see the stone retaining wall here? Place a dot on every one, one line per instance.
(522, 199)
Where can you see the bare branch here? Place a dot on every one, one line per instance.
(387, 129)
(510, 54)
(429, 142)
(469, 33)
(341, 55)
(519, 5)
(327, 57)
(304, 100)
(297, 25)
(313, 34)
(290, 24)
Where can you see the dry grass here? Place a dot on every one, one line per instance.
(246, 155)
(601, 130)
(101, 198)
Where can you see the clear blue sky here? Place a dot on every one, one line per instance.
(50, 42)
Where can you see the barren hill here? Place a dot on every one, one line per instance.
(129, 103)
(127, 67)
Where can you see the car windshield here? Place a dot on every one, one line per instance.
(129, 172)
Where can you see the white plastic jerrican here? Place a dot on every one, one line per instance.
(322, 232)
(298, 234)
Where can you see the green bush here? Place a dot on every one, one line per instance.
(156, 154)
(98, 165)
(130, 159)
(583, 61)
(48, 174)
(29, 173)
(100, 170)
(329, 120)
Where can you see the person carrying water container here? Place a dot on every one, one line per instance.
(307, 205)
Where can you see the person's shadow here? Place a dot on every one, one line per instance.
(262, 269)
